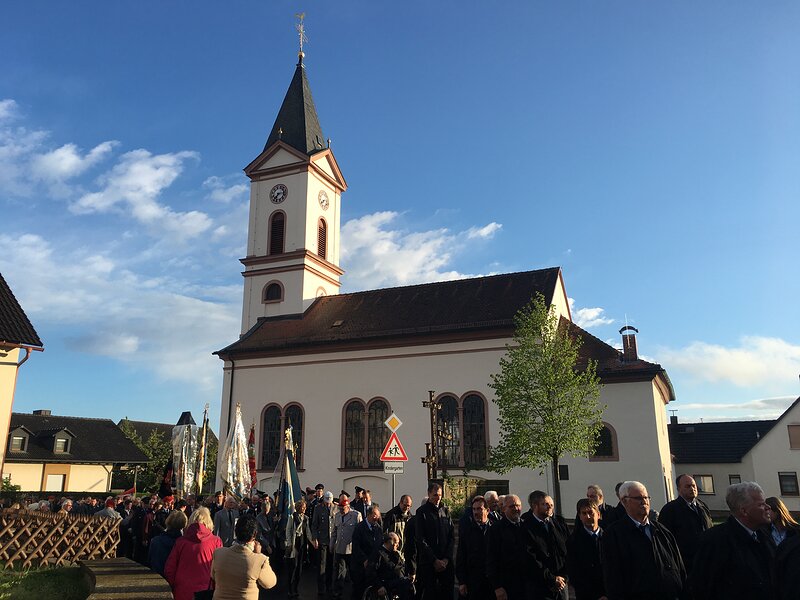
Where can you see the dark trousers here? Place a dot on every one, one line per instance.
(294, 568)
(325, 573)
(436, 586)
(403, 588)
(479, 589)
(341, 567)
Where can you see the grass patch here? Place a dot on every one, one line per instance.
(64, 583)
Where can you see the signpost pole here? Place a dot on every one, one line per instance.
(393, 476)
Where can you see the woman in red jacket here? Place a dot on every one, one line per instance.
(188, 568)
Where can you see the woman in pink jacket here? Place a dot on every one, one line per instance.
(188, 568)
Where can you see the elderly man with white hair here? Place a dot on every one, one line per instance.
(494, 506)
(641, 560)
(733, 559)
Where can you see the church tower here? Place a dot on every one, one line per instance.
(295, 211)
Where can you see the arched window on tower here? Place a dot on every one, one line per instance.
(448, 422)
(377, 432)
(474, 431)
(322, 240)
(277, 231)
(273, 292)
(271, 435)
(607, 449)
(354, 435)
(293, 415)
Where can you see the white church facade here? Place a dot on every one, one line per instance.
(335, 366)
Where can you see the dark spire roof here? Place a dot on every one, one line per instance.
(297, 123)
(14, 324)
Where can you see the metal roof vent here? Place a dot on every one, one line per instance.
(337, 323)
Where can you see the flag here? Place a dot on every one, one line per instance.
(290, 490)
(200, 463)
(251, 456)
(235, 467)
(165, 489)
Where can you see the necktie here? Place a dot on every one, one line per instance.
(755, 537)
(643, 528)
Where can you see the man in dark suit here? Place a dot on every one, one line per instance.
(583, 553)
(471, 557)
(367, 538)
(508, 563)
(733, 560)
(686, 517)
(548, 548)
(595, 493)
(641, 560)
(435, 538)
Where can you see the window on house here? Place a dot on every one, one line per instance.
(354, 435)
(18, 443)
(277, 230)
(705, 484)
(293, 416)
(61, 446)
(788, 483)
(271, 438)
(474, 432)
(449, 425)
(607, 449)
(273, 292)
(794, 437)
(322, 240)
(377, 432)
(734, 479)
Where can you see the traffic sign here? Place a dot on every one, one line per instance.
(393, 422)
(394, 450)
(393, 468)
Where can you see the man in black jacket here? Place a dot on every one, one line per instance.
(396, 520)
(548, 548)
(641, 560)
(387, 572)
(508, 563)
(686, 517)
(733, 560)
(367, 538)
(471, 557)
(435, 540)
(583, 553)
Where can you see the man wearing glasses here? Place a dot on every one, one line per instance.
(641, 559)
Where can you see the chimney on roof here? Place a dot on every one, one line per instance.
(629, 352)
(42, 412)
(673, 420)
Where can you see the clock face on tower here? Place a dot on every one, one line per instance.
(323, 199)
(278, 193)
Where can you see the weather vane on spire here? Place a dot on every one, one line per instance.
(301, 32)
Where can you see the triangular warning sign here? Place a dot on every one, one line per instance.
(394, 450)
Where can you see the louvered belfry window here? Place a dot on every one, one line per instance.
(322, 238)
(277, 229)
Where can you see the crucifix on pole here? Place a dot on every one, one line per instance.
(437, 431)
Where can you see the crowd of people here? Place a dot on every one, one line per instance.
(228, 548)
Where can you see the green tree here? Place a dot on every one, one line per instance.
(158, 450)
(547, 401)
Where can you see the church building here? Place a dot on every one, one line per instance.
(336, 366)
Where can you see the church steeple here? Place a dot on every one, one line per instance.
(297, 124)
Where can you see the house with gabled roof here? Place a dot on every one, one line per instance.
(718, 454)
(335, 366)
(18, 339)
(53, 453)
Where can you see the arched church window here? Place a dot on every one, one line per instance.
(448, 422)
(277, 231)
(273, 292)
(474, 431)
(377, 432)
(354, 426)
(322, 240)
(271, 437)
(606, 445)
(293, 416)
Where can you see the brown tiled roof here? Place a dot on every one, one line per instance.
(431, 309)
(15, 327)
(96, 441)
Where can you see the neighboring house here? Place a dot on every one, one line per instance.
(17, 336)
(49, 453)
(721, 453)
(335, 366)
(145, 428)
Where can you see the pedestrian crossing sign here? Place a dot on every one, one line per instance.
(394, 450)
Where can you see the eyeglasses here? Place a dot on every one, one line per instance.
(639, 498)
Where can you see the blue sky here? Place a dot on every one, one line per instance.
(650, 149)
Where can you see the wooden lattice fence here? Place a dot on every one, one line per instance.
(34, 538)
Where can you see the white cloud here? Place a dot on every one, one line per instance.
(374, 255)
(588, 318)
(486, 232)
(135, 184)
(66, 162)
(764, 362)
(8, 109)
(222, 191)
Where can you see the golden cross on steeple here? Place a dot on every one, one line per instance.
(301, 32)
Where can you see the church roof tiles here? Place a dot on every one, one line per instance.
(15, 327)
